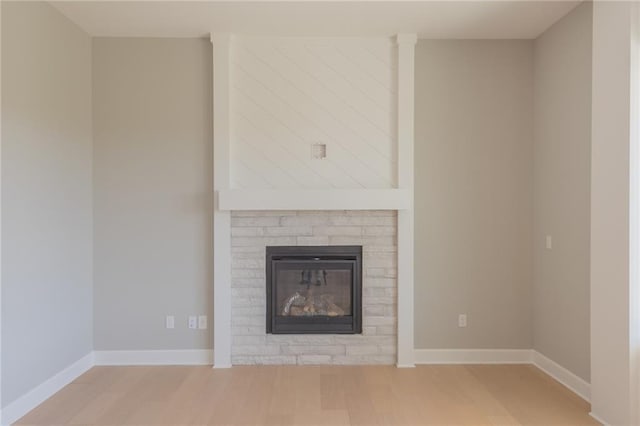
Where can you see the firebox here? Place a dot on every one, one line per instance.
(314, 290)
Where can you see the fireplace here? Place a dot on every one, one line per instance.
(314, 289)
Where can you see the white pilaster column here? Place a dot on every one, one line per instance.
(1, 419)
(221, 219)
(406, 51)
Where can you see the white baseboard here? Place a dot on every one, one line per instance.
(564, 376)
(473, 356)
(222, 366)
(598, 419)
(45, 390)
(162, 357)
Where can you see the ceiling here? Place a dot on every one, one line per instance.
(429, 19)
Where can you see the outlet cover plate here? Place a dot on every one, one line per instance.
(193, 322)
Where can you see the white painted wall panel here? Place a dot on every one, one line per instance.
(289, 93)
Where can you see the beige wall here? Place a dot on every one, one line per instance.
(152, 191)
(562, 159)
(46, 196)
(473, 193)
(611, 301)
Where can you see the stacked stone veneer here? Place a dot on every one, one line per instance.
(251, 232)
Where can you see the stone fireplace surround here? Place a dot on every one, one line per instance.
(252, 231)
(345, 214)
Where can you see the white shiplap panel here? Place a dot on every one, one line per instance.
(261, 166)
(267, 129)
(292, 130)
(316, 90)
(245, 178)
(290, 93)
(362, 81)
(306, 115)
(312, 61)
(287, 127)
(377, 60)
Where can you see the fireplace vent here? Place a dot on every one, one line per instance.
(314, 290)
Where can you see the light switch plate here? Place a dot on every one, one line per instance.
(170, 321)
(202, 322)
(462, 320)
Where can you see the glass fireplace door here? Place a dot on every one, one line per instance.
(314, 295)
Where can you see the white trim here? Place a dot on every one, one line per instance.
(45, 390)
(634, 217)
(315, 199)
(598, 419)
(408, 39)
(579, 386)
(221, 181)
(0, 220)
(162, 357)
(473, 356)
(406, 117)
(406, 365)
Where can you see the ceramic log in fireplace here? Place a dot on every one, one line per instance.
(314, 290)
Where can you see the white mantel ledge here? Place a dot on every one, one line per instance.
(314, 199)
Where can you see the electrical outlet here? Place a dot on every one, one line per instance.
(193, 322)
(549, 242)
(170, 321)
(202, 322)
(462, 320)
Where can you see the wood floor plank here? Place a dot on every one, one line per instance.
(495, 395)
(332, 391)
(281, 406)
(205, 405)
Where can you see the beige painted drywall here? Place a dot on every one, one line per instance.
(153, 192)
(561, 197)
(473, 193)
(611, 305)
(46, 196)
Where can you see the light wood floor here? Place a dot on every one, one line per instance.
(296, 395)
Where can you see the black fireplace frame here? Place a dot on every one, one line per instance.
(314, 255)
